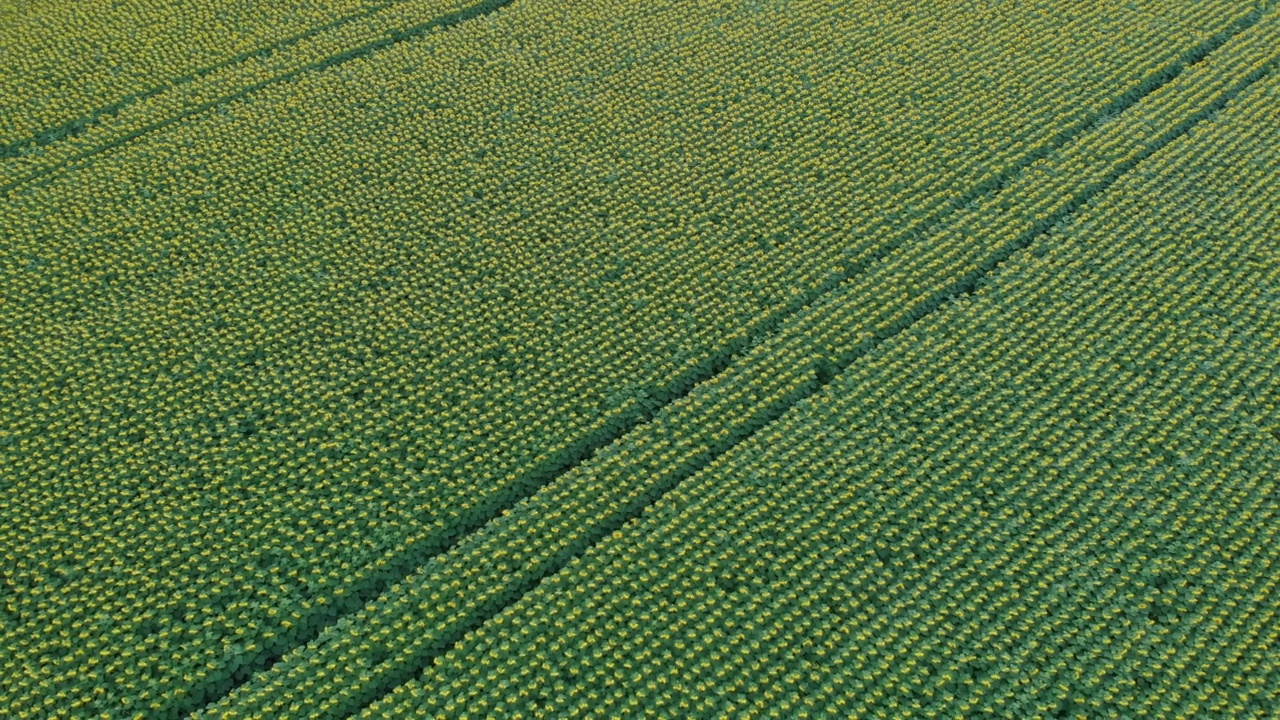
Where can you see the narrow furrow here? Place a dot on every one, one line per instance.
(80, 126)
(87, 121)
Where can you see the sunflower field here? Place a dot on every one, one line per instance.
(542, 359)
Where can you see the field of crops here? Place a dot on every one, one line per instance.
(621, 358)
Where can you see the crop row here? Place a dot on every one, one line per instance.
(108, 114)
(1056, 497)
(61, 61)
(261, 364)
(425, 614)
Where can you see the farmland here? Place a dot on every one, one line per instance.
(616, 358)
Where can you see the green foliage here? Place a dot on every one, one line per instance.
(1055, 497)
(276, 344)
(63, 63)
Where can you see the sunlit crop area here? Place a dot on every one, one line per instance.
(746, 358)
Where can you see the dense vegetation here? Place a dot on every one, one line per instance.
(67, 66)
(1054, 498)
(61, 60)
(367, 354)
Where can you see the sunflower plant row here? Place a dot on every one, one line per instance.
(1055, 497)
(168, 91)
(62, 60)
(418, 618)
(263, 363)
